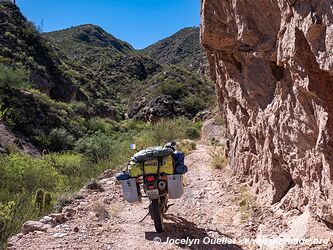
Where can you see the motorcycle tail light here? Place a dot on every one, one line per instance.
(151, 187)
(150, 178)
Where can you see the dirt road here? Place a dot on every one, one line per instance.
(202, 214)
(216, 212)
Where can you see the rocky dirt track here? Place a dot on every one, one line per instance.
(213, 207)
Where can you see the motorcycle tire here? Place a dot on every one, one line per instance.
(157, 215)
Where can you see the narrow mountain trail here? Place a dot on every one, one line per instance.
(215, 212)
(103, 220)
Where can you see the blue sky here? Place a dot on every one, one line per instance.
(139, 22)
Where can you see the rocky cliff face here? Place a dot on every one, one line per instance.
(273, 67)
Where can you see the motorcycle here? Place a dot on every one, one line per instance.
(155, 188)
(157, 178)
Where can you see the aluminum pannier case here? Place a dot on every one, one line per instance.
(175, 186)
(130, 190)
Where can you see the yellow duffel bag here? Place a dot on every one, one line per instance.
(151, 167)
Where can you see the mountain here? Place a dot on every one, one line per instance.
(90, 37)
(73, 75)
(133, 77)
(172, 92)
(104, 66)
(182, 49)
(21, 45)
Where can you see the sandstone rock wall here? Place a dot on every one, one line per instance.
(272, 61)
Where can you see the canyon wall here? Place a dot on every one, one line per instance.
(272, 61)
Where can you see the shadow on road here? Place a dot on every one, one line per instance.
(178, 228)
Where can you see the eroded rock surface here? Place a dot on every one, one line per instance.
(9, 140)
(273, 67)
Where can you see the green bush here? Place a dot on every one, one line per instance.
(193, 104)
(80, 108)
(134, 125)
(98, 124)
(60, 140)
(194, 131)
(20, 209)
(167, 130)
(74, 167)
(20, 173)
(171, 88)
(96, 147)
(13, 78)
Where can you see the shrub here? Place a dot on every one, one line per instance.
(167, 130)
(94, 185)
(18, 210)
(63, 201)
(13, 78)
(60, 140)
(193, 104)
(171, 88)
(97, 124)
(73, 167)
(96, 147)
(192, 133)
(21, 173)
(39, 138)
(65, 163)
(12, 148)
(134, 125)
(79, 108)
(100, 210)
(21, 177)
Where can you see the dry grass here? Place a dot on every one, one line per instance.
(186, 146)
(94, 185)
(246, 203)
(100, 210)
(219, 161)
(243, 204)
(114, 209)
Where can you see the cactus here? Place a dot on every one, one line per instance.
(39, 199)
(47, 204)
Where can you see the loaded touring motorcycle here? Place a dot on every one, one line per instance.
(155, 173)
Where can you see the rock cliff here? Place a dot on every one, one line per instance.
(273, 67)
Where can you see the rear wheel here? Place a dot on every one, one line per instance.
(157, 215)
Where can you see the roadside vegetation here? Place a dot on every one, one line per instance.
(66, 171)
(68, 98)
(79, 149)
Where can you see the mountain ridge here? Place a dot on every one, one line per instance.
(182, 49)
